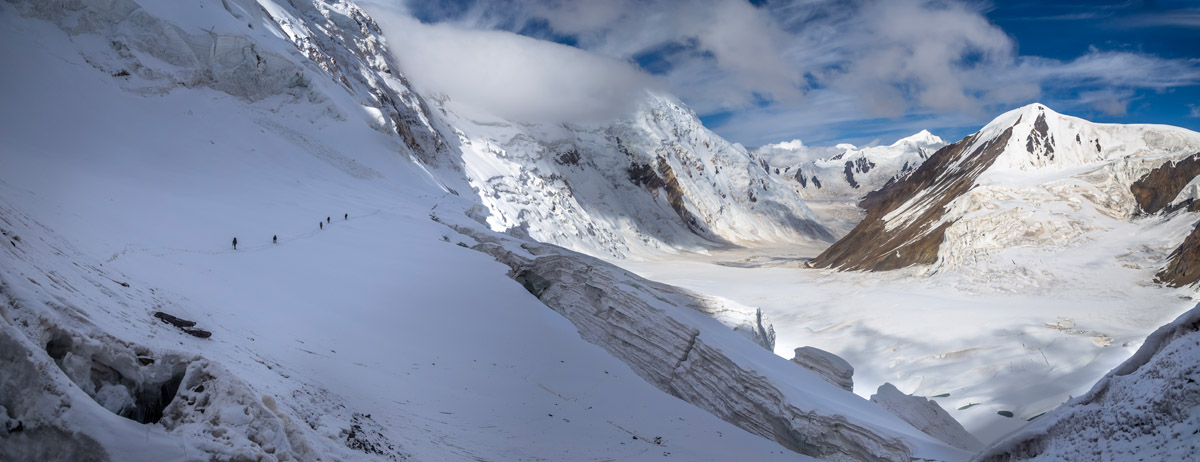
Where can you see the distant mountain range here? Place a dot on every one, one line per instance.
(141, 135)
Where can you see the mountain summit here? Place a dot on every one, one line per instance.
(976, 197)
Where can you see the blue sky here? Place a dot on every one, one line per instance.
(822, 71)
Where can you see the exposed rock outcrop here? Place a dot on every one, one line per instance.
(188, 327)
(1164, 189)
(827, 365)
(1157, 190)
(927, 416)
(654, 179)
(903, 226)
(1183, 266)
(1030, 178)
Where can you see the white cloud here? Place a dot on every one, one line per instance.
(513, 76)
(829, 114)
(816, 65)
(902, 54)
(1193, 111)
(582, 17)
(1111, 102)
(1109, 69)
(733, 55)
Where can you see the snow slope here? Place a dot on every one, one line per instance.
(139, 138)
(1148, 408)
(1032, 178)
(380, 336)
(1022, 344)
(655, 181)
(1041, 279)
(324, 346)
(663, 335)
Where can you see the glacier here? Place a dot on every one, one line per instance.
(506, 289)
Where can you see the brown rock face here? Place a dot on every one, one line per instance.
(675, 197)
(1155, 191)
(947, 174)
(646, 176)
(1183, 267)
(1039, 142)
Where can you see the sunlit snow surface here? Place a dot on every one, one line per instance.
(379, 314)
(988, 348)
(1044, 281)
(111, 180)
(1022, 333)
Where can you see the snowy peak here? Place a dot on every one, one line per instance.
(1045, 139)
(654, 180)
(1037, 135)
(845, 172)
(922, 139)
(1032, 158)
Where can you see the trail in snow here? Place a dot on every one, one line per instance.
(242, 248)
(382, 318)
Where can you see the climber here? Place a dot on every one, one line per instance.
(235, 243)
(346, 216)
(275, 239)
(327, 219)
(322, 225)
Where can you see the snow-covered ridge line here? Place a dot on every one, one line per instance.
(847, 172)
(654, 181)
(1048, 140)
(236, 49)
(1144, 409)
(1031, 177)
(663, 334)
(917, 204)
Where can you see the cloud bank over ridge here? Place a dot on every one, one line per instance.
(768, 71)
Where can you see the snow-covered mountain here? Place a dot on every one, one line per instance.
(655, 181)
(140, 137)
(433, 313)
(1031, 181)
(1043, 235)
(846, 172)
(833, 183)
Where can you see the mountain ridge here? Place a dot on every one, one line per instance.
(1021, 152)
(655, 181)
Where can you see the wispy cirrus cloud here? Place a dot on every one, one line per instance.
(1186, 18)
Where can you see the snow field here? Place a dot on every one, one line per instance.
(379, 315)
